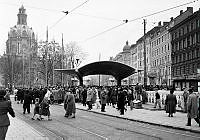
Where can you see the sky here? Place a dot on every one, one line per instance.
(87, 18)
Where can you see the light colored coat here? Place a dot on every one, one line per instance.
(89, 95)
(192, 107)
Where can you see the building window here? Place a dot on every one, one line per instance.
(197, 23)
(197, 37)
(179, 32)
(168, 47)
(192, 25)
(193, 40)
(197, 53)
(168, 58)
(188, 30)
(183, 43)
(183, 56)
(193, 54)
(183, 31)
(180, 44)
(180, 58)
(188, 41)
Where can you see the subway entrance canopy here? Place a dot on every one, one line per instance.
(116, 69)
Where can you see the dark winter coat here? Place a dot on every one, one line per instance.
(69, 104)
(170, 103)
(5, 107)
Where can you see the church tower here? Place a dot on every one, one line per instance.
(21, 51)
(22, 17)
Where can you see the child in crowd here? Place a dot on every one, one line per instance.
(36, 109)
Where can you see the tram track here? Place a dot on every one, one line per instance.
(111, 126)
(101, 121)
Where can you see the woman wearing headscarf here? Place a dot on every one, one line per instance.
(44, 109)
(5, 107)
(170, 103)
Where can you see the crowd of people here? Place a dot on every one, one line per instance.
(91, 96)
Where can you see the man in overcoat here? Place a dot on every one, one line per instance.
(5, 107)
(192, 108)
(170, 103)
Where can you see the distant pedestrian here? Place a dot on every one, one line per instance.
(69, 105)
(170, 103)
(157, 99)
(5, 107)
(84, 94)
(185, 97)
(192, 107)
(89, 98)
(103, 99)
(44, 109)
(121, 101)
(36, 108)
(27, 102)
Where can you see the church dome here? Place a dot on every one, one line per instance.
(21, 31)
(126, 47)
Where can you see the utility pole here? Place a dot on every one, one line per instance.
(23, 67)
(145, 63)
(53, 61)
(62, 61)
(29, 63)
(46, 49)
(99, 74)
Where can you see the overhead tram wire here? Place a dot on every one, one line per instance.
(97, 17)
(163, 11)
(126, 20)
(67, 12)
(54, 10)
(103, 32)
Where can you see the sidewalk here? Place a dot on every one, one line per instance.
(20, 130)
(149, 115)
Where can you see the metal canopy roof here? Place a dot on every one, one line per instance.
(118, 70)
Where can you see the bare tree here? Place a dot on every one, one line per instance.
(74, 54)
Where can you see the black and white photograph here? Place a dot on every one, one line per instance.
(99, 70)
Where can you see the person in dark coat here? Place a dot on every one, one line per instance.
(170, 103)
(103, 99)
(44, 109)
(27, 101)
(84, 94)
(192, 107)
(5, 107)
(69, 105)
(157, 99)
(113, 97)
(121, 101)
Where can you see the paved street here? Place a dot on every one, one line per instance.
(89, 125)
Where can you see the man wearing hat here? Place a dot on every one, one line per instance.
(192, 108)
(5, 107)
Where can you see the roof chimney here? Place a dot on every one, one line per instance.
(171, 18)
(190, 9)
(181, 12)
(159, 23)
